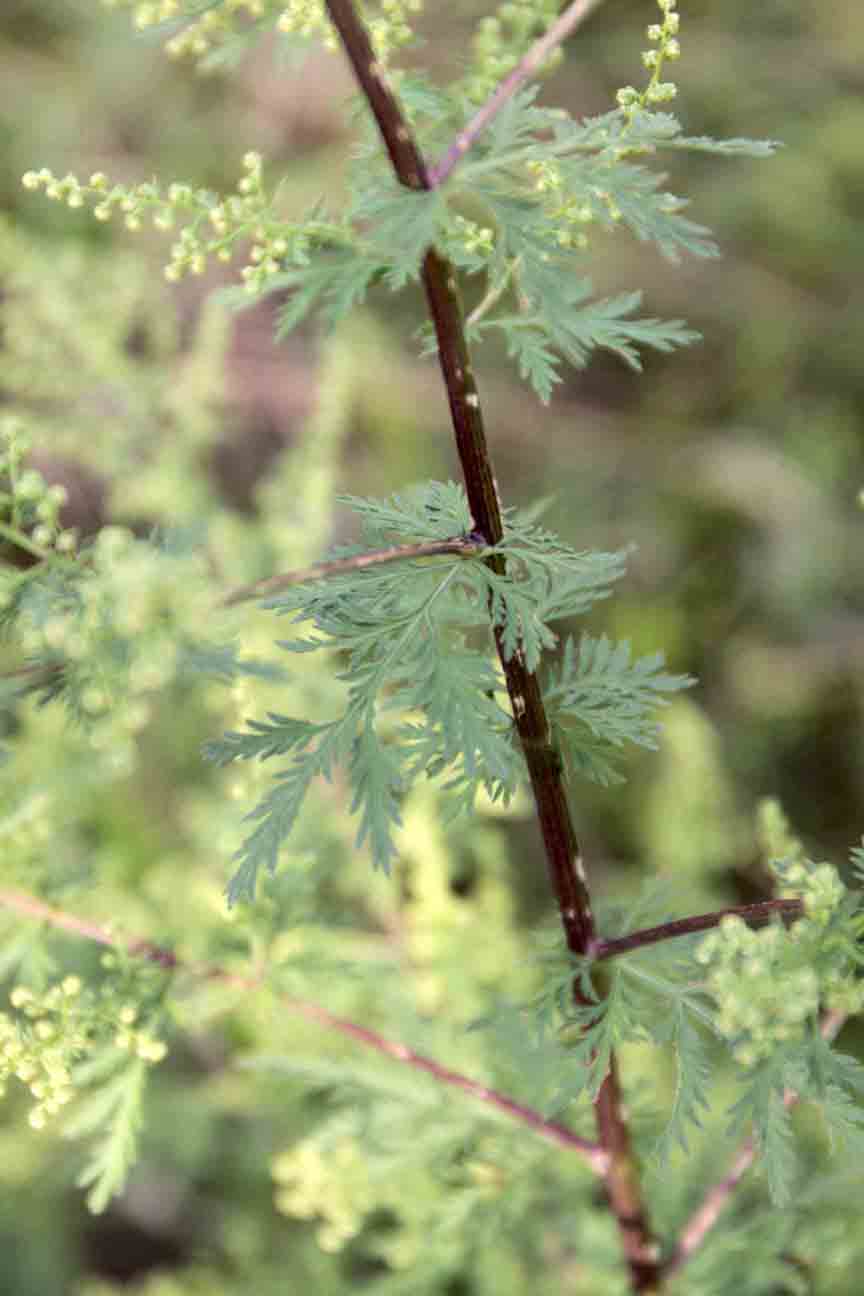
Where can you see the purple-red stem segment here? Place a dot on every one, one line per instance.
(30, 907)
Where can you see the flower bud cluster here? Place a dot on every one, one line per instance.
(764, 997)
(775, 837)
(29, 506)
(570, 213)
(822, 930)
(390, 28)
(503, 38)
(476, 240)
(136, 1040)
(40, 1044)
(28, 828)
(307, 18)
(664, 38)
(200, 34)
(120, 637)
(213, 226)
(328, 1182)
(818, 885)
(52, 1030)
(770, 985)
(387, 22)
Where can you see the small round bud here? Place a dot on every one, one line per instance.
(627, 96)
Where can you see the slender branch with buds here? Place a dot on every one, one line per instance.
(555, 35)
(28, 906)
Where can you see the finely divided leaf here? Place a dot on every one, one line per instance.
(605, 324)
(274, 736)
(433, 511)
(692, 1081)
(462, 730)
(377, 781)
(401, 629)
(857, 857)
(400, 225)
(114, 1111)
(528, 345)
(773, 1129)
(276, 816)
(336, 280)
(725, 147)
(597, 695)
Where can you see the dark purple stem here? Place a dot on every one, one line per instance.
(566, 871)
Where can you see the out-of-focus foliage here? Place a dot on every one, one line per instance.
(735, 466)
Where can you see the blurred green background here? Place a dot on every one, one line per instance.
(735, 466)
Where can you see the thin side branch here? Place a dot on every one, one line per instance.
(462, 546)
(706, 1215)
(560, 29)
(754, 915)
(29, 906)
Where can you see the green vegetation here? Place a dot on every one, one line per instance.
(423, 1047)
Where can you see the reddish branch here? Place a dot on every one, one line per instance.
(754, 915)
(530, 63)
(566, 871)
(29, 906)
(718, 1197)
(462, 546)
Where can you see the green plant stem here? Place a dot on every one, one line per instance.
(566, 870)
(29, 906)
(557, 32)
(495, 293)
(19, 539)
(462, 546)
(754, 915)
